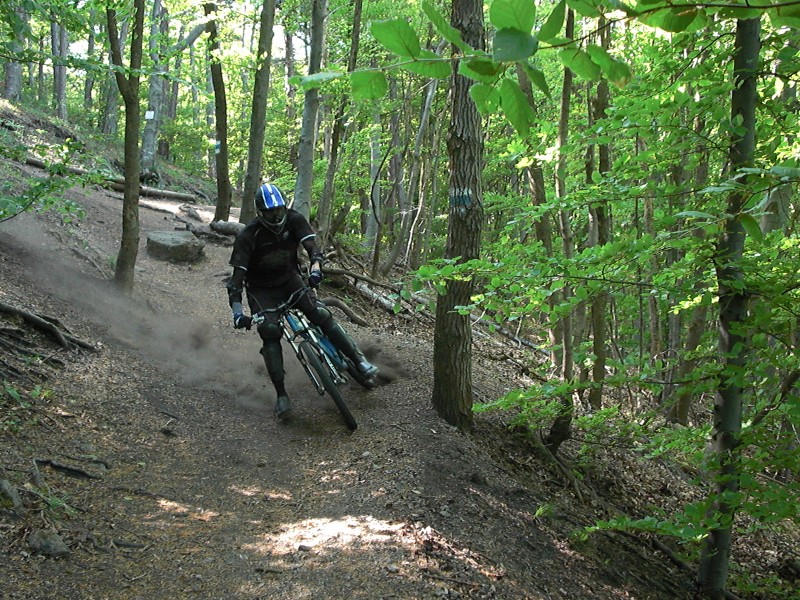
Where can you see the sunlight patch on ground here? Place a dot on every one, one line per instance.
(330, 533)
(253, 491)
(199, 514)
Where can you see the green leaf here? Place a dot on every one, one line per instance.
(513, 44)
(750, 225)
(309, 82)
(580, 62)
(368, 85)
(788, 16)
(429, 64)
(552, 26)
(397, 36)
(516, 108)
(616, 72)
(480, 69)
(586, 8)
(671, 19)
(485, 97)
(537, 78)
(443, 27)
(513, 14)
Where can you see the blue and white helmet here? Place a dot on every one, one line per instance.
(270, 207)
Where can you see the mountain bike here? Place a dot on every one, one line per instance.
(326, 367)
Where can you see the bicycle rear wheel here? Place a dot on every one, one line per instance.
(311, 354)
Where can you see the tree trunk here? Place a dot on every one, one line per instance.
(337, 135)
(561, 430)
(258, 112)
(60, 47)
(129, 88)
(727, 423)
(155, 97)
(12, 89)
(409, 207)
(223, 208)
(88, 83)
(290, 95)
(305, 159)
(452, 345)
(108, 122)
(372, 210)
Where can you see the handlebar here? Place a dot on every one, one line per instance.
(282, 307)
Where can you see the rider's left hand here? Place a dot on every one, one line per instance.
(315, 278)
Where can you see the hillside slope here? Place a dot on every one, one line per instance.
(159, 463)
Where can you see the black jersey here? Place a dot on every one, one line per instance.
(270, 259)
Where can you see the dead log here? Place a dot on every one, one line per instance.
(118, 183)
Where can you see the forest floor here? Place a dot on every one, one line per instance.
(157, 460)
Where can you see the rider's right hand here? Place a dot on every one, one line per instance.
(241, 321)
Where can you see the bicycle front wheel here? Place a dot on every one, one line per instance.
(311, 354)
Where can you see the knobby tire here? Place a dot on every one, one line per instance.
(312, 358)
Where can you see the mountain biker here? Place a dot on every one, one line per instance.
(264, 262)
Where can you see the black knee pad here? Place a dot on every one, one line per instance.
(270, 332)
(320, 315)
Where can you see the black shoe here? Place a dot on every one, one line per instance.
(282, 407)
(367, 369)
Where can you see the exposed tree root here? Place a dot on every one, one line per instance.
(49, 326)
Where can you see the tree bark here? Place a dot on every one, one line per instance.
(129, 88)
(155, 97)
(561, 429)
(600, 217)
(223, 208)
(308, 130)
(452, 346)
(258, 112)
(60, 46)
(12, 89)
(733, 345)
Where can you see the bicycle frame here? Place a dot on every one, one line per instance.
(321, 361)
(295, 327)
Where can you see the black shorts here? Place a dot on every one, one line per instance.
(261, 298)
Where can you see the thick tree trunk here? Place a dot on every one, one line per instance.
(452, 346)
(258, 112)
(733, 344)
(12, 89)
(129, 88)
(308, 130)
(223, 208)
(155, 98)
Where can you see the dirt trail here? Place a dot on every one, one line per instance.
(201, 493)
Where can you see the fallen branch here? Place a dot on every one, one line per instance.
(351, 314)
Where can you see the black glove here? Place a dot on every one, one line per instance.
(241, 321)
(315, 278)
